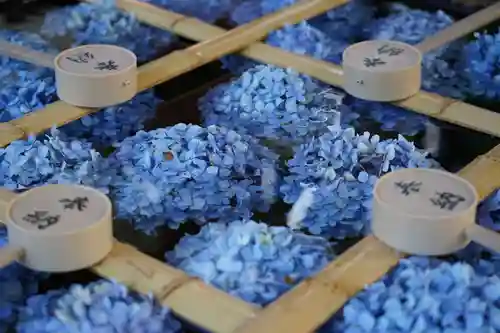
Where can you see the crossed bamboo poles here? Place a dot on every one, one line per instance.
(316, 299)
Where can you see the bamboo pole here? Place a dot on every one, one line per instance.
(170, 66)
(461, 28)
(316, 299)
(25, 54)
(213, 310)
(190, 298)
(433, 105)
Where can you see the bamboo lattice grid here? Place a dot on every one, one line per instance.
(316, 299)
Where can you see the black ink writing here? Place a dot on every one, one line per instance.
(408, 188)
(41, 219)
(79, 203)
(373, 62)
(109, 65)
(81, 58)
(391, 51)
(447, 200)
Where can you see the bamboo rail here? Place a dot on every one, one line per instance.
(432, 105)
(170, 66)
(314, 300)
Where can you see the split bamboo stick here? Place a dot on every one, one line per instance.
(213, 310)
(25, 54)
(433, 105)
(461, 28)
(171, 65)
(190, 298)
(316, 299)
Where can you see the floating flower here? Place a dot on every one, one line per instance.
(103, 23)
(101, 306)
(347, 21)
(441, 72)
(250, 260)
(16, 284)
(343, 167)
(390, 117)
(25, 87)
(173, 174)
(425, 295)
(482, 66)
(305, 39)
(52, 159)
(115, 123)
(205, 10)
(408, 25)
(277, 106)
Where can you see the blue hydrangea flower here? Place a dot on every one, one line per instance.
(52, 159)
(102, 23)
(425, 295)
(206, 10)
(441, 71)
(25, 87)
(408, 25)
(347, 21)
(16, 284)
(250, 260)
(390, 117)
(305, 39)
(343, 167)
(482, 66)
(101, 306)
(115, 123)
(278, 106)
(246, 11)
(173, 174)
(488, 212)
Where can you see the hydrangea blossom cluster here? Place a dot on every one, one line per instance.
(305, 39)
(346, 22)
(52, 159)
(25, 87)
(278, 106)
(482, 66)
(170, 175)
(102, 23)
(390, 117)
(341, 23)
(99, 307)
(408, 25)
(342, 167)
(426, 295)
(115, 123)
(16, 284)
(28, 87)
(441, 69)
(323, 37)
(250, 260)
(206, 10)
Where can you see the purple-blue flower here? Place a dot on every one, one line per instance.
(425, 295)
(100, 307)
(342, 167)
(16, 284)
(187, 172)
(482, 66)
(250, 260)
(115, 123)
(206, 10)
(25, 87)
(52, 159)
(103, 23)
(278, 106)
